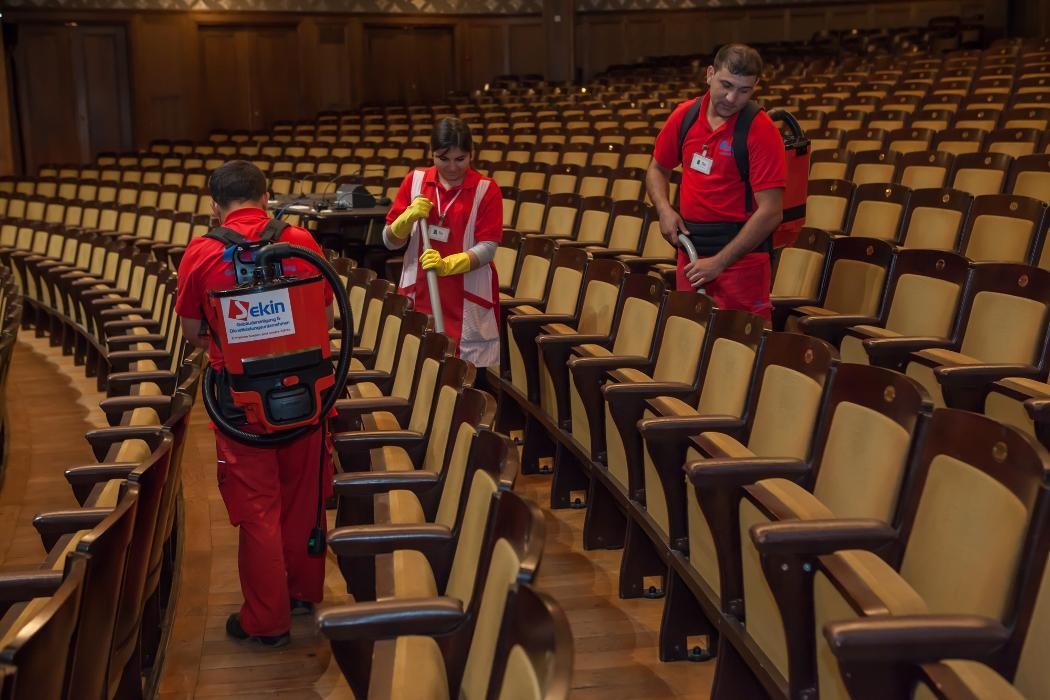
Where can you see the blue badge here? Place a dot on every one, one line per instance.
(724, 147)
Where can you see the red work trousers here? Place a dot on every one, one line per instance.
(743, 286)
(271, 496)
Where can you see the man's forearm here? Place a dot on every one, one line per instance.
(759, 227)
(657, 185)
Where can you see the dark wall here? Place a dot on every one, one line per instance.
(97, 80)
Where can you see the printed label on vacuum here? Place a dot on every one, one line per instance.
(258, 316)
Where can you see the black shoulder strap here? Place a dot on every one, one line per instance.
(226, 236)
(740, 153)
(274, 229)
(691, 115)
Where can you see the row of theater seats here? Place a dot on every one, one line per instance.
(91, 619)
(424, 480)
(10, 321)
(773, 487)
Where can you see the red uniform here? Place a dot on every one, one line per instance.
(270, 493)
(718, 197)
(472, 212)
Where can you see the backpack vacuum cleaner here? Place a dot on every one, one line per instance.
(278, 384)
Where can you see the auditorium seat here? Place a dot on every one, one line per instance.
(534, 654)
(462, 662)
(829, 164)
(380, 356)
(924, 169)
(43, 641)
(876, 210)
(980, 173)
(934, 218)
(1030, 177)
(1002, 333)
(854, 282)
(827, 202)
(432, 524)
(1004, 227)
(962, 537)
(392, 434)
(867, 167)
(798, 268)
(959, 141)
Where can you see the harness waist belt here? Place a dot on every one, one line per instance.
(710, 237)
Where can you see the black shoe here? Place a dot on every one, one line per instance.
(301, 607)
(234, 629)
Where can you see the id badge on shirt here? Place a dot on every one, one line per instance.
(701, 164)
(438, 233)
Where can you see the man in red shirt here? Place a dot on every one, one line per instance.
(730, 234)
(270, 493)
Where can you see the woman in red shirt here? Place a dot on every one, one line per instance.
(464, 213)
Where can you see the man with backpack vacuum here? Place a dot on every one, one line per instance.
(257, 294)
(733, 176)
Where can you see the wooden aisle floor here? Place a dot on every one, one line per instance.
(51, 404)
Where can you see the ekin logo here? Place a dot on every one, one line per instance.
(238, 310)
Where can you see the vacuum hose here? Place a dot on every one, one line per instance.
(268, 255)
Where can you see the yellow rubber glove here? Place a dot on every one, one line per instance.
(455, 264)
(418, 209)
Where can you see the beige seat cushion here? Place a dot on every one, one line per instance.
(404, 508)
(801, 504)
(418, 670)
(727, 445)
(980, 680)
(391, 459)
(109, 495)
(366, 390)
(132, 451)
(412, 575)
(356, 364)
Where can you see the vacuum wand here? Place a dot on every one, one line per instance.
(432, 282)
(690, 250)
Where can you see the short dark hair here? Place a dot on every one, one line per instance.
(451, 133)
(739, 59)
(236, 181)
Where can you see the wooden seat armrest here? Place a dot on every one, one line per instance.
(373, 540)
(121, 327)
(372, 483)
(83, 479)
(117, 406)
(735, 473)
(809, 538)
(892, 353)
(102, 439)
(916, 638)
(571, 339)
(832, 328)
(121, 383)
(390, 619)
(51, 526)
(123, 342)
(21, 585)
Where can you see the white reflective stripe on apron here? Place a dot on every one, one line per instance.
(410, 259)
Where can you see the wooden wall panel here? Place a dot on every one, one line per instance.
(641, 38)
(225, 75)
(9, 158)
(165, 77)
(487, 53)
(51, 129)
(804, 23)
(275, 77)
(525, 48)
(104, 94)
(766, 26)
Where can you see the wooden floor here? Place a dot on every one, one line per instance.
(51, 404)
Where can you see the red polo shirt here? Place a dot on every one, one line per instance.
(719, 196)
(203, 269)
(456, 207)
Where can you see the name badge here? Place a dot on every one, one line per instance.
(438, 233)
(701, 164)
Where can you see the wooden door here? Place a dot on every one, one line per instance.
(72, 88)
(249, 75)
(408, 65)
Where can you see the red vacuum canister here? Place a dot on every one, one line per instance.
(796, 154)
(276, 349)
